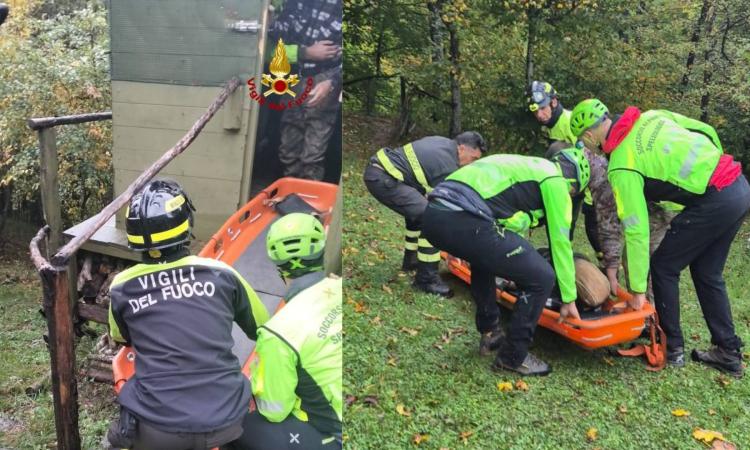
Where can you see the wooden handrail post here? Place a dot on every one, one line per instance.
(58, 312)
(50, 187)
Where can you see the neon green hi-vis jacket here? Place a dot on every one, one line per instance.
(561, 130)
(300, 359)
(519, 192)
(665, 156)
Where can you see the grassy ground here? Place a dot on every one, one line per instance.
(27, 422)
(413, 377)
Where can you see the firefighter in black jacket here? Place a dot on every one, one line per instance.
(400, 178)
(177, 310)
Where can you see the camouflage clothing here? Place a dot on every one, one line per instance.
(608, 225)
(305, 130)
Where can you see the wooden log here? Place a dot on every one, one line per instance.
(101, 376)
(93, 312)
(85, 274)
(71, 247)
(46, 122)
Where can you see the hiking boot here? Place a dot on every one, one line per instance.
(729, 361)
(436, 287)
(410, 261)
(676, 357)
(428, 280)
(531, 366)
(490, 341)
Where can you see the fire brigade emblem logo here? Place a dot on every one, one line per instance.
(279, 81)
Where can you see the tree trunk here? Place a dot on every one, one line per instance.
(695, 39)
(532, 18)
(707, 55)
(372, 82)
(455, 122)
(404, 120)
(436, 29)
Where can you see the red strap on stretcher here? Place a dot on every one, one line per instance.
(655, 351)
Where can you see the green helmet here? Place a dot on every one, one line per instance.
(295, 243)
(573, 162)
(586, 114)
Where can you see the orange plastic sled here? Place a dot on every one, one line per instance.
(618, 325)
(241, 243)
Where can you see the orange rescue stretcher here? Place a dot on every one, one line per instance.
(241, 243)
(613, 324)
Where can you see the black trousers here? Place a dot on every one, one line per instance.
(291, 433)
(495, 252)
(401, 198)
(410, 203)
(141, 435)
(700, 237)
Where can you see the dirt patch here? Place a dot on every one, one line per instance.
(10, 425)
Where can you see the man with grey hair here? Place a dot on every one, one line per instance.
(401, 177)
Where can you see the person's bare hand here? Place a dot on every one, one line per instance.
(321, 51)
(637, 301)
(568, 310)
(613, 283)
(319, 93)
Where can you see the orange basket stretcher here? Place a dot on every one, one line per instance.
(241, 243)
(614, 324)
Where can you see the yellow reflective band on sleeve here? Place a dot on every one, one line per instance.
(413, 233)
(416, 167)
(328, 440)
(388, 165)
(162, 236)
(410, 245)
(174, 203)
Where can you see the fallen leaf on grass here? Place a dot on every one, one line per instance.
(409, 331)
(392, 361)
(370, 400)
(723, 381)
(402, 410)
(504, 386)
(420, 438)
(680, 413)
(707, 436)
(465, 435)
(723, 445)
(387, 289)
(623, 409)
(350, 399)
(591, 435)
(376, 320)
(431, 317)
(711, 412)
(522, 386)
(609, 361)
(360, 307)
(438, 346)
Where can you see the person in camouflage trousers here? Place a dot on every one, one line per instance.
(609, 229)
(312, 32)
